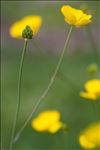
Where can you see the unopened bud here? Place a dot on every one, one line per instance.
(92, 69)
(27, 33)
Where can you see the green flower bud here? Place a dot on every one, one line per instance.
(27, 33)
(92, 69)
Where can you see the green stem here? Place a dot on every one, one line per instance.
(39, 100)
(19, 92)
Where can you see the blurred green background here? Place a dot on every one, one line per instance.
(42, 55)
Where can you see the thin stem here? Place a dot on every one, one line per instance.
(39, 100)
(60, 75)
(19, 92)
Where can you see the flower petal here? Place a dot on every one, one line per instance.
(93, 86)
(74, 16)
(84, 20)
(34, 22)
(90, 96)
(90, 137)
(55, 127)
(85, 143)
(47, 121)
(68, 14)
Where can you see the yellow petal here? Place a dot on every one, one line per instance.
(85, 143)
(45, 120)
(16, 29)
(85, 19)
(55, 127)
(39, 126)
(33, 21)
(50, 116)
(93, 133)
(90, 137)
(93, 86)
(77, 13)
(68, 14)
(75, 16)
(90, 96)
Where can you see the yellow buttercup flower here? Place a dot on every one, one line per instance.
(90, 137)
(92, 89)
(47, 121)
(75, 17)
(34, 22)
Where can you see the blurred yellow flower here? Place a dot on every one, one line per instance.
(90, 137)
(34, 22)
(47, 121)
(92, 89)
(75, 16)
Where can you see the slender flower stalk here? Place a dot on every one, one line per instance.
(19, 92)
(40, 99)
(60, 75)
(25, 28)
(27, 33)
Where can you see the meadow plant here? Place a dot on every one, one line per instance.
(50, 120)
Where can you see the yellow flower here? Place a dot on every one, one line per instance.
(90, 137)
(75, 16)
(92, 89)
(47, 121)
(34, 22)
